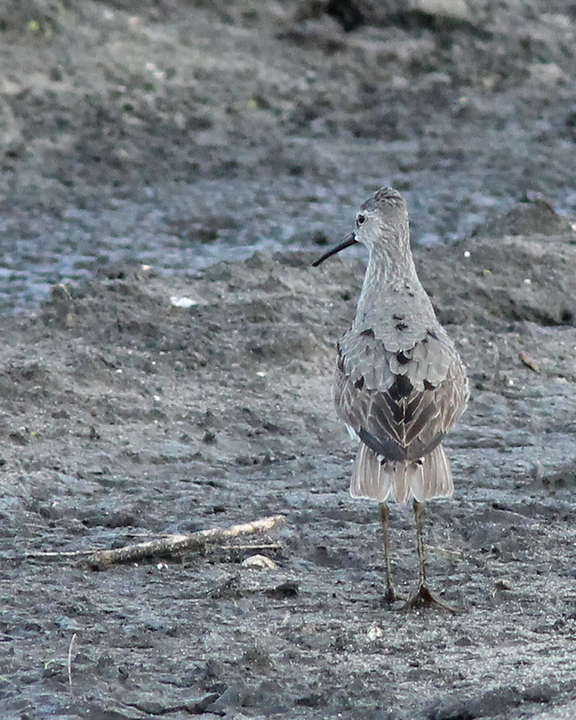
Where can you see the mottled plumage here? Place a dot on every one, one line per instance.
(400, 384)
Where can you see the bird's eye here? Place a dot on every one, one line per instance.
(360, 219)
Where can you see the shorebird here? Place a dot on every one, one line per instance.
(399, 383)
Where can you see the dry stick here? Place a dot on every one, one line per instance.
(167, 546)
(70, 659)
(176, 544)
(86, 554)
(58, 554)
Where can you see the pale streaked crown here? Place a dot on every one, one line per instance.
(382, 219)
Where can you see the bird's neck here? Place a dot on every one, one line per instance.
(390, 285)
(391, 266)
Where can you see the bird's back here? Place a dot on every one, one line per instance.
(400, 385)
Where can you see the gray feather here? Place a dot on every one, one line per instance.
(399, 383)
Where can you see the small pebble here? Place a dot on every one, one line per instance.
(261, 562)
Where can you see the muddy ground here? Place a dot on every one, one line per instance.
(208, 152)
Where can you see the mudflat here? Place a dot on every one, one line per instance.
(168, 176)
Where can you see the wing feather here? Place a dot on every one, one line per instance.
(400, 403)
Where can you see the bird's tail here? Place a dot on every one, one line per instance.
(376, 478)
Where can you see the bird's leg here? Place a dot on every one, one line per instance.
(421, 559)
(390, 595)
(424, 598)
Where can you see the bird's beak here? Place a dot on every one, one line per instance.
(350, 240)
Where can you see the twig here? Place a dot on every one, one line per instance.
(70, 659)
(173, 545)
(60, 554)
(257, 546)
(79, 554)
(177, 544)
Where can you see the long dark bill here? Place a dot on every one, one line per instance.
(350, 240)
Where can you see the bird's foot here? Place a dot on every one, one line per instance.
(424, 598)
(391, 596)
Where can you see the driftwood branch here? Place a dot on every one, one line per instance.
(173, 545)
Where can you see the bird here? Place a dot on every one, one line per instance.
(399, 382)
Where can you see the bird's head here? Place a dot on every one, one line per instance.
(380, 220)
